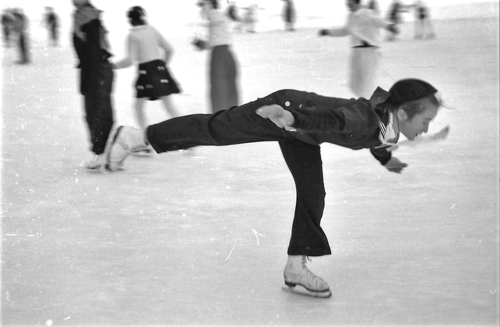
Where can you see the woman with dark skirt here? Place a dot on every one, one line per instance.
(146, 45)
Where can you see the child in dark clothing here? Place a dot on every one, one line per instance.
(300, 122)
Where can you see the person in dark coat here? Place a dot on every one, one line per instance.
(300, 122)
(96, 78)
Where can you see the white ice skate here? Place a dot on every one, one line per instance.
(97, 164)
(301, 280)
(125, 141)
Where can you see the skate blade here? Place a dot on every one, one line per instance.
(298, 289)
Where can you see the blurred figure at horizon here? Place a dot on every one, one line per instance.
(423, 24)
(289, 15)
(233, 14)
(7, 26)
(394, 16)
(363, 26)
(52, 24)
(20, 27)
(250, 18)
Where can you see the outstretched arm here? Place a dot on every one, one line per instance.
(335, 32)
(394, 165)
(127, 61)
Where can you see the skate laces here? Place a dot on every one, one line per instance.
(314, 281)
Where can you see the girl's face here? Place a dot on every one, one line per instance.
(418, 124)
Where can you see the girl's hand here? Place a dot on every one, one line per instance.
(395, 165)
(281, 117)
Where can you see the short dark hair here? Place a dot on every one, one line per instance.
(136, 15)
(415, 107)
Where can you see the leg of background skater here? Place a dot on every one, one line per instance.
(216, 81)
(141, 121)
(102, 116)
(430, 29)
(172, 111)
(169, 106)
(363, 71)
(139, 113)
(231, 80)
(418, 28)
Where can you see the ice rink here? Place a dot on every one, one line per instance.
(201, 238)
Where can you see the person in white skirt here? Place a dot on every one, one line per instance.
(146, 45)
(363, 25)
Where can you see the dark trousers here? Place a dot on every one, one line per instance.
(223, 79)
(99, 109)
(240, 125)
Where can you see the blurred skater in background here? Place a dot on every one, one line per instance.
(7, 26)
(300, 122)
(51, 21)
(289, 15)
(363, 25)
(223, 68)
(147, 46)
(423, 23)
(96, 78)
(234, 15)
(21, 27)
(394, 16)
(250, 18)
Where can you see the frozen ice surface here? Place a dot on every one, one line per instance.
(201, 239)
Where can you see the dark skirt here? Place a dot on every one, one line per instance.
(155, 81)
(223, 74)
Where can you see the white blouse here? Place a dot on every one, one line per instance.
(363, 25)
(218, 28)
(144, 44)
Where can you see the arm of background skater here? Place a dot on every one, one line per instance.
(335, 32)
(166, 46)
(127, 61)
(382, 23)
